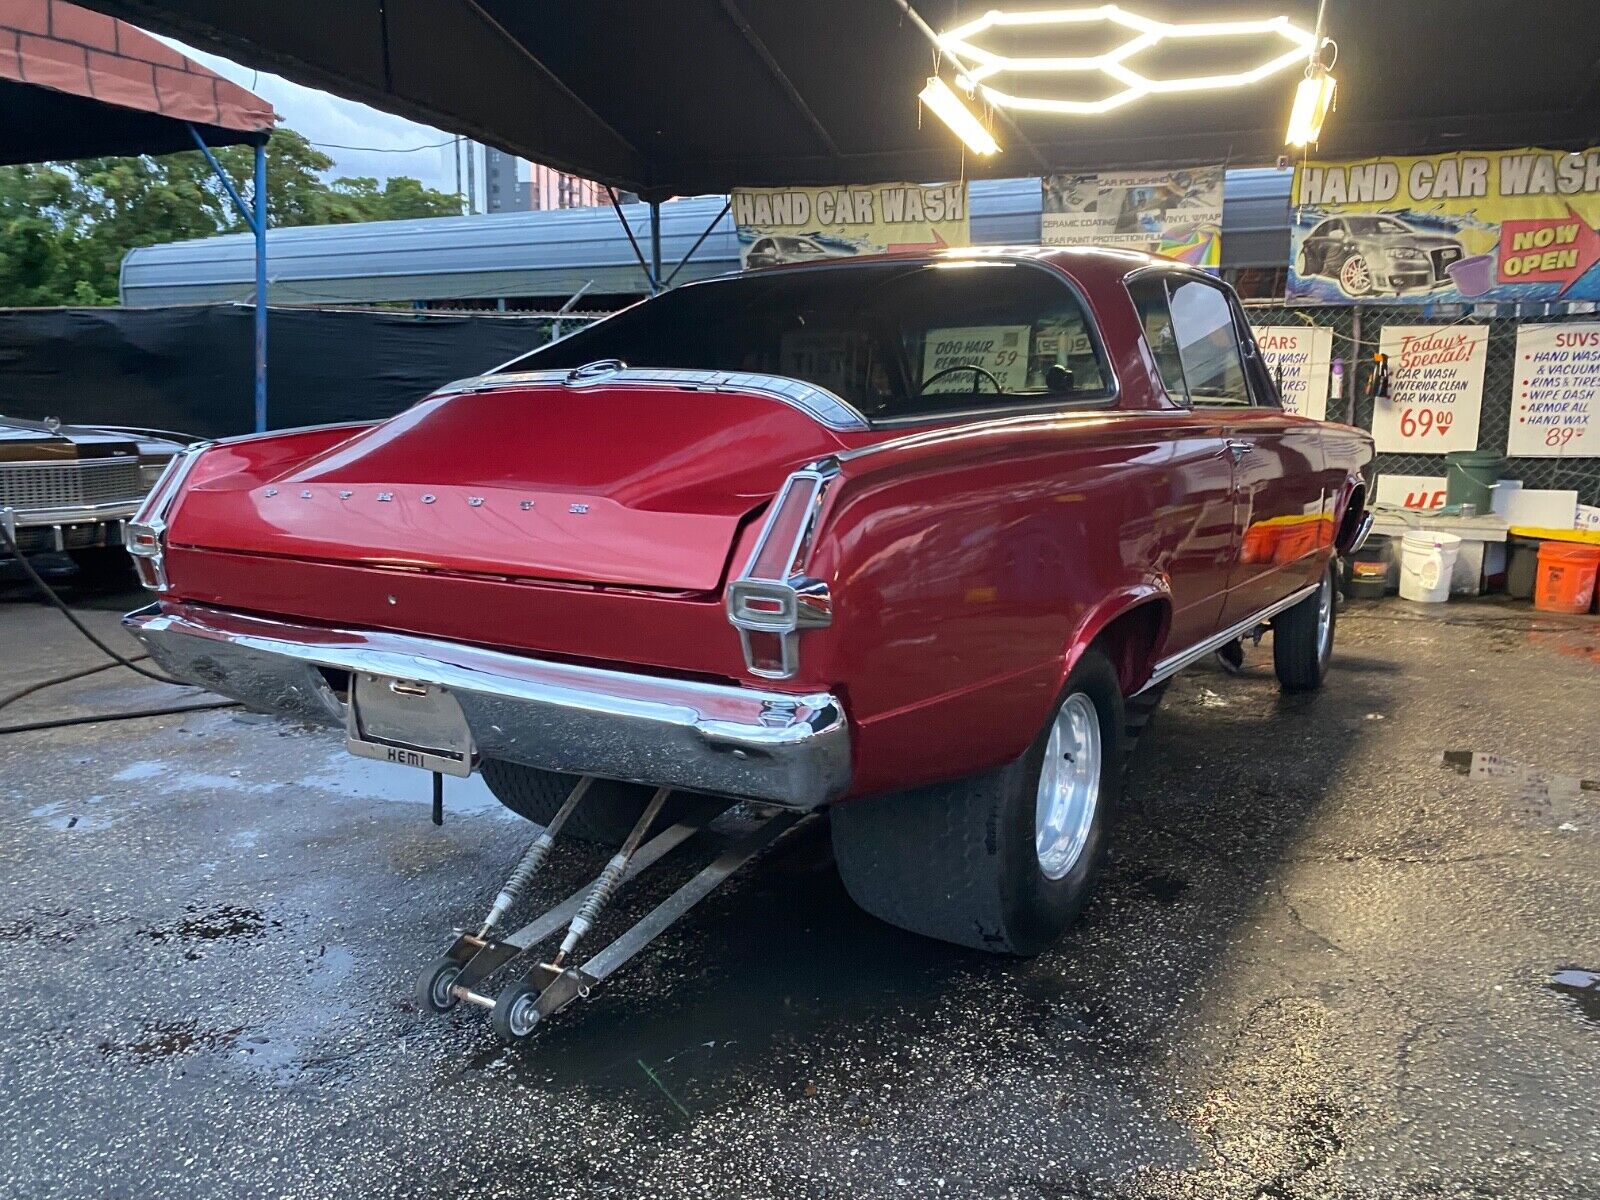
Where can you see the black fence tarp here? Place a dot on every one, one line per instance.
(189, 369)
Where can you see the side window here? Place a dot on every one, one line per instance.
(1208, 345)
(1150, 301)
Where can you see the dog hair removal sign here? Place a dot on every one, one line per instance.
(1435, 388)
(1555, 395)
(1299, 358)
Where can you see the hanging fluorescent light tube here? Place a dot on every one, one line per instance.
(943, 103)
(1313, 100)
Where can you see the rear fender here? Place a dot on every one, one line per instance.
(1143, 612)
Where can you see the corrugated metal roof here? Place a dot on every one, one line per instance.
(555, 253)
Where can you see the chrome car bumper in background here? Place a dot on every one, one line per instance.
(784, 749)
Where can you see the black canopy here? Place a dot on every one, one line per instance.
(669, 97)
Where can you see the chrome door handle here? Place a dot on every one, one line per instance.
(1238, 447)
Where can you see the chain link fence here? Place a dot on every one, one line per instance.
(1356, 331)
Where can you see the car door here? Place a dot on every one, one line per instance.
(1280, 499)
(1191, 501)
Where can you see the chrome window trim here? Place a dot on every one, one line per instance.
(1044, 419)
(237, 438)
(824, 406)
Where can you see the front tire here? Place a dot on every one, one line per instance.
(1003, 861)
(1302, 638)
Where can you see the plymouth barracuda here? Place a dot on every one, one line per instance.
(898, 537)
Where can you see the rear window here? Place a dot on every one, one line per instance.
(895, 340)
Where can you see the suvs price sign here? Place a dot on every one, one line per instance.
(1435, 388)
(1555, 393)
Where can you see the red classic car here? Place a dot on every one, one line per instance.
(898, 536)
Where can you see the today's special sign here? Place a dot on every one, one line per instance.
(1435, 388)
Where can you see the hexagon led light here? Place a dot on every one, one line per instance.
(965, 45)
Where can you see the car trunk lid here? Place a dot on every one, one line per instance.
(612, 484)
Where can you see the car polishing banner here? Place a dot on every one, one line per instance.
(812, 224)
(1466, 226)
(1435, 388)
(1300, 360)
(1555, 394)
(1176, 214)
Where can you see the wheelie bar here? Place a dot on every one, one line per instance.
(547, 988)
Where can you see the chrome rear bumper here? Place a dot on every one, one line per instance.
(784, 749)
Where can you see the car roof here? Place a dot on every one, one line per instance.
(1089, 266)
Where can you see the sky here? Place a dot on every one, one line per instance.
(331, 122)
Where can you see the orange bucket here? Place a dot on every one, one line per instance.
(1566, 577)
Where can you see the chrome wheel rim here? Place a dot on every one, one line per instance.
(1355, 276)
(1325, 618)
(1069, 787)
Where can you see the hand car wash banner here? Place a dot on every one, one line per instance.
(813, 224)
(1176, 214)
(1470, 225)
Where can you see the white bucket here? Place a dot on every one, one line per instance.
(1426, 562)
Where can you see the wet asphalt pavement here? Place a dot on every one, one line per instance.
(1322, 964)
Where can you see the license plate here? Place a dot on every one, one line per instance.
(409, 723)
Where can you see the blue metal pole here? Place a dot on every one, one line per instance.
(260, 224)
(255, 216)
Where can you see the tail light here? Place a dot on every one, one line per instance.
(146, 535)
(773, 601)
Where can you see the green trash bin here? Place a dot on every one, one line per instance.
(1470, 476)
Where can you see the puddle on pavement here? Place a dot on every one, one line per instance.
(219, 923)
(1564, 800)
(168, 1039)
(1581, 987)
(346, 775)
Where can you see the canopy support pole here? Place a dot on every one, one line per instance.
(655, 246)
(255, 216)
(700, 241)
(650, 276)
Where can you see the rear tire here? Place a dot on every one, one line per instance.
(1302, 638)
(972, 861)
(604, 815)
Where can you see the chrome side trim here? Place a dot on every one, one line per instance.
(1174, 663)
(1363, 532)
(816, 402)
(80, 514)
(146, 534)
(784, 749)
(788, 601)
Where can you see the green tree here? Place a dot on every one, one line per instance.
(65, 227)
